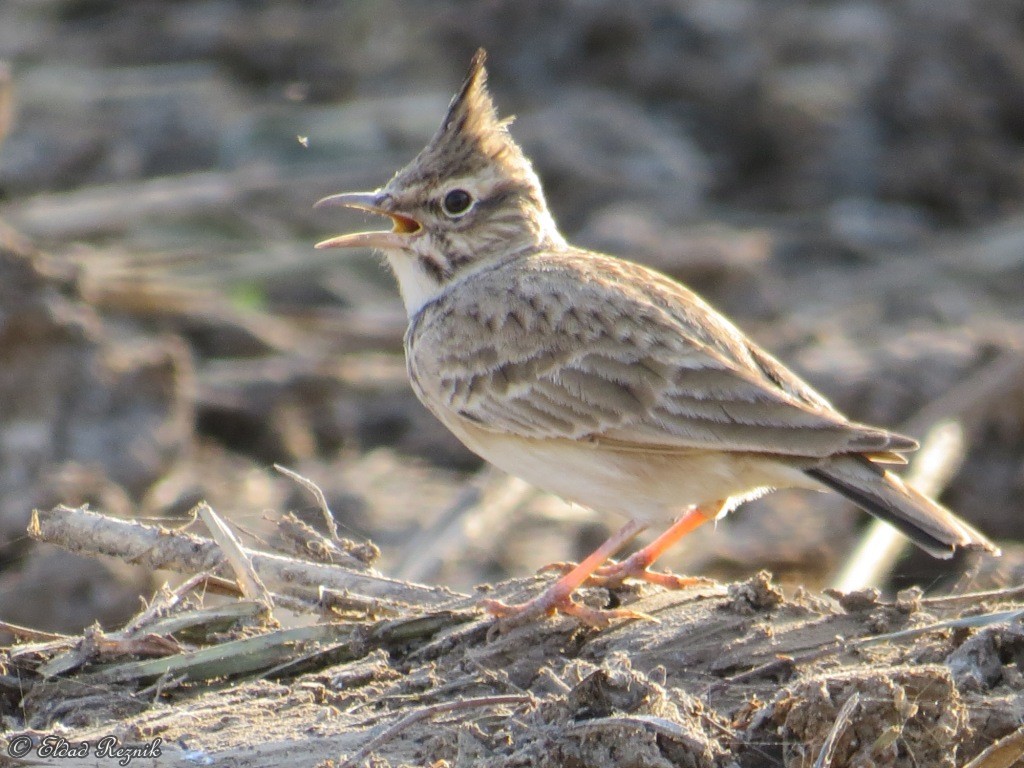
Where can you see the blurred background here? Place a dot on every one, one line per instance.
(845, 179)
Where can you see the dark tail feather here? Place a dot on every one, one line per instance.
(929, 525)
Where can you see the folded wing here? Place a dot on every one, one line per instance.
(657, 370)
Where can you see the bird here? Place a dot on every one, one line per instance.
(598, 379)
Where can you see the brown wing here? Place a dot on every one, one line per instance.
(596, 349)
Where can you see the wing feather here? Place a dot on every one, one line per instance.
(619, 356)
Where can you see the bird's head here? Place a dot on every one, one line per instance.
(469, 198)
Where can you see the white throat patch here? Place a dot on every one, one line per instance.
(415, 285)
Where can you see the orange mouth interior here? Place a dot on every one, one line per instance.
(404, 225)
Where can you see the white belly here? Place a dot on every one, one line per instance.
(652, 487)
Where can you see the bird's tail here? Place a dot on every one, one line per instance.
(929, 525)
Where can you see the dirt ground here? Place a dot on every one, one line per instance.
(845, 179)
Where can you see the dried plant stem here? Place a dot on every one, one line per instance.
(248, 580)
(432, 711)
(88, 532)
(321, 500)
(836, 731)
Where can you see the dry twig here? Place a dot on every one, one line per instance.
(88, 532)
(248, 580)
(1008, 752)
(843, 719)
(432, 711)
(318, 494)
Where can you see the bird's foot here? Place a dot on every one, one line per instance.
(556, 599)
(633, 567)
(637, 565)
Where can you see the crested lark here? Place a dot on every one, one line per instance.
(597, 379)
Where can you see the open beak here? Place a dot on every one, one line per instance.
(403, 226)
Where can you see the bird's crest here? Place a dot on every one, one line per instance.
(471, 130)
(472, 109)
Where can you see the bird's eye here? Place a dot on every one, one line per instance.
(457, 202)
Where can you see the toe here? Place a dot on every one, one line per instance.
(672, 580)
(510, 616)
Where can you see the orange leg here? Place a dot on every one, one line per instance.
(558, 597)
(636, 565)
